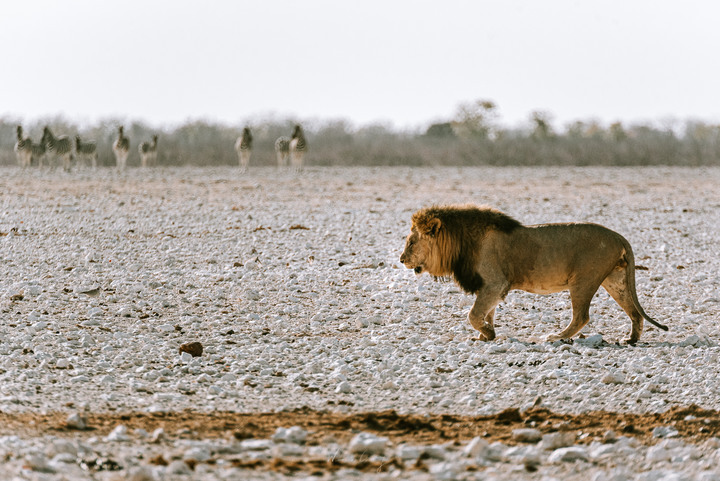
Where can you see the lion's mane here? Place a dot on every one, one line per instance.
(458, 230)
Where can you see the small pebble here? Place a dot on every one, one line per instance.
(195, 349)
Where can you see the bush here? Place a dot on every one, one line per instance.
(473, 139)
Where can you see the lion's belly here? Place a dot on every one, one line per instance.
(543, 289)
(543, 279)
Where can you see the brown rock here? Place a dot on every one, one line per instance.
(195, 349)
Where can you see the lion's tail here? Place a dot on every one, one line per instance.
(630, 273)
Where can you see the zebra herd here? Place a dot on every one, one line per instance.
(61, 150)
(294, 148)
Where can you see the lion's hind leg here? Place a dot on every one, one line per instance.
(616, 285)
(580, 298)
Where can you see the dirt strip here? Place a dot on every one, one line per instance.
(692, 423)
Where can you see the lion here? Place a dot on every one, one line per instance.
(488, 254)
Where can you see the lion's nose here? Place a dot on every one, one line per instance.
(402, 258)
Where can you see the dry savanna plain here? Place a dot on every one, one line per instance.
(323, 357)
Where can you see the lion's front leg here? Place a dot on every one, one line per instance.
(482, 316)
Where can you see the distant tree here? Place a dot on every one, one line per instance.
(476, 119)
(542, 128)
(617, 132)
(442, 130)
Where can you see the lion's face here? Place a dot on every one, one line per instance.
(418, 252)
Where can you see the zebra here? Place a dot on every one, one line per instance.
(23, 148)
(60, 147)
(86, 151)
(38, 152)
(243, 147)
(148, 152)
(298, 148)
(121, 149)
(282, 150)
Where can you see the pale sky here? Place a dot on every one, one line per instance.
(406, 63)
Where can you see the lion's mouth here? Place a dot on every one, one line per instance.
(418, 269)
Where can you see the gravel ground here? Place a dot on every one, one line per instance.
(293, 286)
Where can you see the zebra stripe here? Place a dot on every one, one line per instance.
(282, 150)
(298, 148)
(86, 151)
(148, 152)
(243, 147)
(121, 149)
(23, 148)
(38, 153)
(59, 147)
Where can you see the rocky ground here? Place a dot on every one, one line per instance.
(322, 356)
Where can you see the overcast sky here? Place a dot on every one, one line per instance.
(402, 62)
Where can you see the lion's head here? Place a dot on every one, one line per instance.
(422, 248)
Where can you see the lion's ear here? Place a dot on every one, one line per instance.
(430, 226)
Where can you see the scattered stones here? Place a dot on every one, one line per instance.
(284, 326)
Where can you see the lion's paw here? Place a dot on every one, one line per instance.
(553, 338)
(486, 335)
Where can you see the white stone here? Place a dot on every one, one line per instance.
(256, 444)
(595, 340)
(198, 453)
(76, 421)
(445, 471)
(665, 432)
(119, 434)
(178, 467)
(526, 435)
(38, 462)
(61, 446)
(344, 387)
(435, 451)
(603, 450)
(553, 441)
(63, 458)
(406, 451)
(569, 454)
(707, 476)
(476, 447)
(294, 434)
(157, 436)
(613, 377)
(287, 449)
(368, 444)
(657, 454)
(609, 436)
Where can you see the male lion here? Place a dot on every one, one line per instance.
(489, 253)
